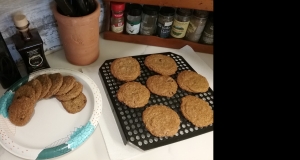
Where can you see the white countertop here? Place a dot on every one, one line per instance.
(95, 147)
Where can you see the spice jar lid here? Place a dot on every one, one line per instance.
(20, 20)
(135, 9)
(150, 9)
(167, 11)
(117, 6)
(184, 12)
(201, 13)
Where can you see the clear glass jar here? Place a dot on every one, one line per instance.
(134, 17)
(117, 18)
(165, 21)
(208, 32)
(196, 25)
(149, 18)
(181, 22)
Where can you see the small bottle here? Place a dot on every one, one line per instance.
(117, 18)
(149, 18)
(208, 32)
(29, 44)
(181, 22)
(134, 19)
(165, 21)
(196, 25)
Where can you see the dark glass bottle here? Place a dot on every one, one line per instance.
(9, 72)
(30, 45)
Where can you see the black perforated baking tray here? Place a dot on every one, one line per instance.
(129, 120)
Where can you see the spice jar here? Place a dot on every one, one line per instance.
(117, 18)
(149, 18)
(165, 21)
(181, 22)
(134, 17)
(208, 32)
(196, 25)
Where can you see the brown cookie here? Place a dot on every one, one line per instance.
(46, 84)
(192, 81)
(37, 86)
(74, 92)
(21, 110)
(76, 104)
(162, 85)
(67, 85)
(197, 111)
(25, 91)
(125, 69)
(161, 64)
(133, 94)
(57, 80)
(161, 121)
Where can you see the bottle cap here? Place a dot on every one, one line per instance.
(184, 12)
(150, 9)
(167, 11)
(117, 6)
(135, 9)
(20, 20)
(201, 13)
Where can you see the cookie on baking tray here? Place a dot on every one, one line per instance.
(125, 69)
(133, 94)
(162, 85)
(76, 104)
(67, 85)
(161, 121)
(57, 80)
(46, 84)
(196, 110)
(161, 64)
(21, 110)
(37, 86)
(74, 92)
(192, 81)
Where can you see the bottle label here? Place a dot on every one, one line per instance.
(119, 15)
(147, 30)
(163, 30)
(179, 29)
(132, 28)
(194, 32)
(117, 27)
(34, 58)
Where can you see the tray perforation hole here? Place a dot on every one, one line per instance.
(140, 143)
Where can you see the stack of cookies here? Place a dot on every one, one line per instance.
(64, 88)
(161, 120)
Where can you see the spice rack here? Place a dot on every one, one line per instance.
(155, 40)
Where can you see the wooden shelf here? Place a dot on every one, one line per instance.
(155, 40)
(193, 4)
